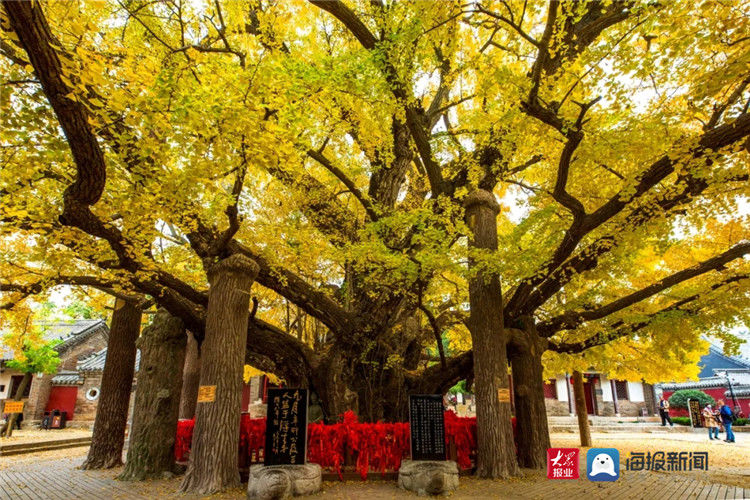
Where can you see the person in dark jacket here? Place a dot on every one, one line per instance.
(664, 412)
(727, 418)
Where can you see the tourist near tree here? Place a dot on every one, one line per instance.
(339, 157)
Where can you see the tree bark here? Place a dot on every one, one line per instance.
(583, 418)
(117, 381)
(495, 454)
(25, 381)
(331, 384)
(190, 378)
(528, 392)
(213, 463)
(157, 399)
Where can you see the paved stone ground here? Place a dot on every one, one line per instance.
(53, 474)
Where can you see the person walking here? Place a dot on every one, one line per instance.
(727, 418)
(711, 423)
(664, 412)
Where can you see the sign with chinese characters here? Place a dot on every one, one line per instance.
(427, 427)
(562, 463)
(286, 427)
(13, 407)
(207, 394)
(503, 395)
(694, 407)
(667, 461)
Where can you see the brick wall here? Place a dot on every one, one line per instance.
(627, 408)
(40, 388)
(70, 358)
(556, 408)
(85, 408)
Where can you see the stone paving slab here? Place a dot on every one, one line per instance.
(59, 478)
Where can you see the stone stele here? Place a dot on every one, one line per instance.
(428, 477)
(277, 482)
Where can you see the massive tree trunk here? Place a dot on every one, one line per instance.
(583, 417)
(330, 382)
(190, 378)
(496, 449)
(528, 392)
(25, 381)
(117, 381)
(157, 398)
(213, 463)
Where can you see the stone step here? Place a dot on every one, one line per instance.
(20, 448)
(603, 420)
(621, 428)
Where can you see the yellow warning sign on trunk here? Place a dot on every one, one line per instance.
(207, 394)
(503, 395)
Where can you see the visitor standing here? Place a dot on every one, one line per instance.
(664, 412)
(727, 418)
(711, 422)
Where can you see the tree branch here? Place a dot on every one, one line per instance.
(314, 302)
(28, 22)
(623, 330)
(416, 119)
(436, 331)
(340, 175)
(573, 319)
(710, 141)
(26, 290)
(516, 27)
(720, 109)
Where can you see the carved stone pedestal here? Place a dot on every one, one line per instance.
(277, 482)
(426, 477)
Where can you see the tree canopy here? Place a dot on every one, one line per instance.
(334, 142)
(31, 352)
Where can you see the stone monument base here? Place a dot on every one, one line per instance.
(277, 482)
(428, 477)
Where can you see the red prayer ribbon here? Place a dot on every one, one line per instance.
(378, 447)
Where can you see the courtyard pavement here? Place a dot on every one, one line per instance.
(53, 474)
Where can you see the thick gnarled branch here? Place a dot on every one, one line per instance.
(573, 319)
(621, 329)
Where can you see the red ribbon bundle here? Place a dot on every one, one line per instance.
(184, 439)
(463, 432)
(379, 446)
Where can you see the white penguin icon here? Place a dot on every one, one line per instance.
(603, 464)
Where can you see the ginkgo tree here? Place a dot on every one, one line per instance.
(587, 159)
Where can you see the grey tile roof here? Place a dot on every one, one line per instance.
(705, 383)
(95, 362)
(742, 391)
(66, 378)
(717, 360)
